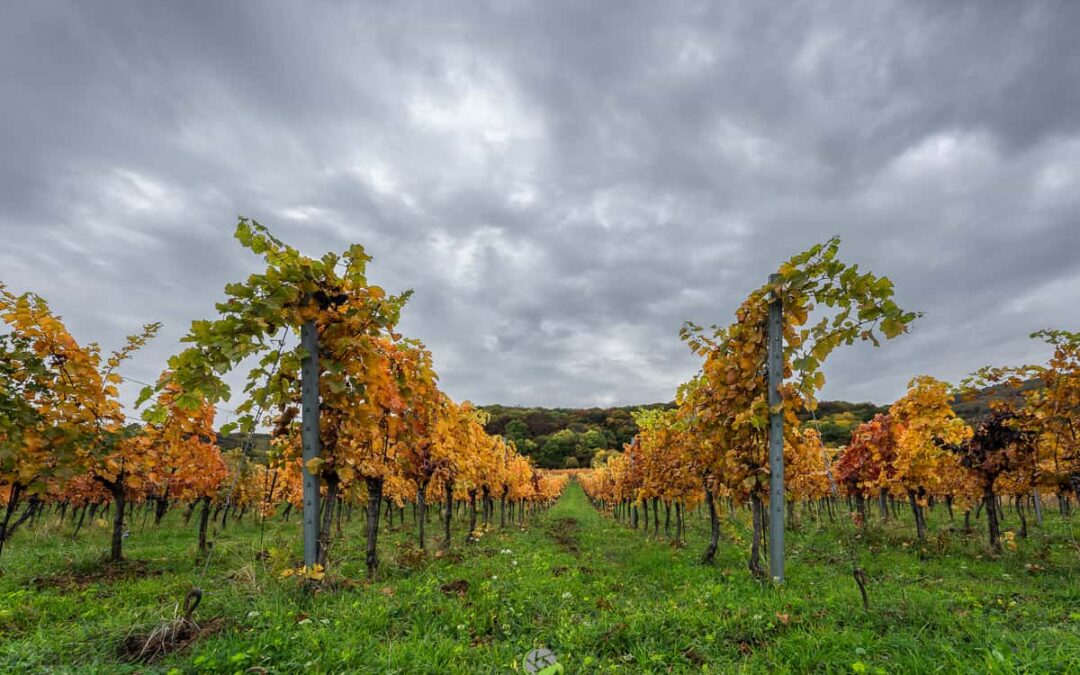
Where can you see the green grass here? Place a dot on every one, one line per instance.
(602, 596)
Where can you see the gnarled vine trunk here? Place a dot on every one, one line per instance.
(920, 523)
(327, 516)
(755, 544)
(421, 514)
(678, 523)
(161, 507)
(714, 529)
(79, 524)
(472, 514)
(116, 489)
(502, 507)
(485, 498)
(375, 490)
(448, 512)
(1023, 533)
(13, 502)
(204, 521)
(991, 518)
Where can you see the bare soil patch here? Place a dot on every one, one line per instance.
(564, 532)
(105, 573)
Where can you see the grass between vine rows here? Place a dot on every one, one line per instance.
(602, 596)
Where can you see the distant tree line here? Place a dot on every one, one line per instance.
(558, 438)
(835, 420)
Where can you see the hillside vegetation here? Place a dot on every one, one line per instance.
(559, 438)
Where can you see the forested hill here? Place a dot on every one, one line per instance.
(571, 437)
(565, 437)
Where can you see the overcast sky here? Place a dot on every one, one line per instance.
(562, 183)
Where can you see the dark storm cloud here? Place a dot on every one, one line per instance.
(562, 184)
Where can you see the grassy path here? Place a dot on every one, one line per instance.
(605, 598)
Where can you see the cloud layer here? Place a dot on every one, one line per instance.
(561, 183)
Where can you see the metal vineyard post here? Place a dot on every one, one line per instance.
(309, 376)
(775, 361)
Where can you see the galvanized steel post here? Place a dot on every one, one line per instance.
(309, 377)
(775, 362)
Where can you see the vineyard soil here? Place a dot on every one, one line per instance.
(573, 580)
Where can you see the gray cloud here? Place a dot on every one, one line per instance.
(562, 184)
